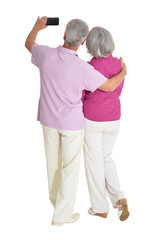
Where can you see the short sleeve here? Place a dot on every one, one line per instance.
(92, 79)
(37, 52)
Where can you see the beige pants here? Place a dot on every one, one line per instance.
(63, 151)
(100, 167)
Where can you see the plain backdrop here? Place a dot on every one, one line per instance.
(25, 209)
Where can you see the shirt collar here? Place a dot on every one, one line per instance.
(68, 51)
(109, 57)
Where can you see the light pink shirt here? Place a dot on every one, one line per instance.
(63, 78)
(104, 106)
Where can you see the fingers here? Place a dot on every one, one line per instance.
(124, 69)
(121, 60)
(44, 20)
(44, 17)
(123, 66)
(38, 18)
(40, 23)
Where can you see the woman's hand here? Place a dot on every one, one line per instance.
(40, 23)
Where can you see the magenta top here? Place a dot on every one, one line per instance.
(103, 106)
(63, 77)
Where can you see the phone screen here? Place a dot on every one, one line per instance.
(52, 21)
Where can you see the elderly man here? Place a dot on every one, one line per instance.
(63, 77)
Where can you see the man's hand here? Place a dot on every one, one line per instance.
(123, 66)
(40, 23)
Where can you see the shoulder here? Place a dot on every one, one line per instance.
(84, 66)
(95, 61)
(116, 62)
(99, 64)
(42, 48)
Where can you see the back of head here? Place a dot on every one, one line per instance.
(99, 42)
(76, 32)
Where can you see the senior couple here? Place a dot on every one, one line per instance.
(79, 106)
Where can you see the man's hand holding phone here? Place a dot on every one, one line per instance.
(40, 23)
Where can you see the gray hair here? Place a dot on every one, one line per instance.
(76, 32)
(99, 42)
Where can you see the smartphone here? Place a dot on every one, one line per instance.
(52, 21)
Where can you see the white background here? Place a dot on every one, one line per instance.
(25, 210)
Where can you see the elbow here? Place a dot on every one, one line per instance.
(26, 45)
(111, 89)
(108, 86)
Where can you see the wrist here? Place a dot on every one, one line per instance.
(35, 29)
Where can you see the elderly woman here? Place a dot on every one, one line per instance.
(102, 112)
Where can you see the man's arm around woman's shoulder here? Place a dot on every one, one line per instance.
(112, 83)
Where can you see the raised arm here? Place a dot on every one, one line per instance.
(112, 83)
(39, 25)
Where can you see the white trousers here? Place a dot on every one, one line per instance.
(63, 151)
(100, 167)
